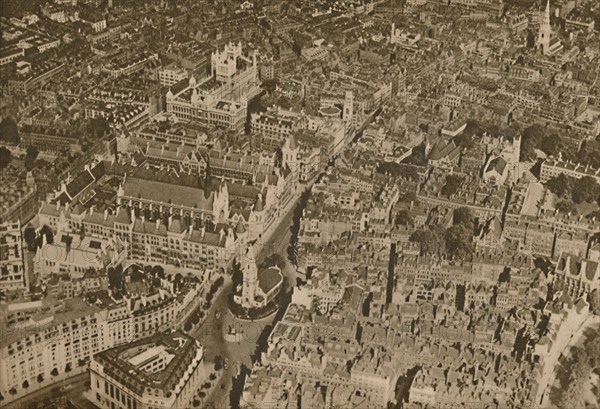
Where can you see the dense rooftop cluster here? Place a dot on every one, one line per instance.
(434, 164)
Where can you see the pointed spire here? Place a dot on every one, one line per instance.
(258, 205)
(240, 229)
(224, 188)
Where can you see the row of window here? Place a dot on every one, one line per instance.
(117, 395)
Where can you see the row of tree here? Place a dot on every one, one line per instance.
(40, 378)
(199, 313)
(581, 190)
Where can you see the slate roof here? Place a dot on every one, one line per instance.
(165, 192)
(497, 164)
(269, 279)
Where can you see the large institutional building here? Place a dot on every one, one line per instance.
(46, 341)
(159, 372)
(150, 241)
(222, 98)
(170, 222)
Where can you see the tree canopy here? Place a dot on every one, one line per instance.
(29, 236)
(566, 206)
(463, 216)
(9, 132)
(452, 185)
(98, 126)
(5, 157)
(584, 189)
(115, 277)
(530, 141)
(274, 259)
(47, 232)
(560, 185)
(404, 218)
(270, 85)
(575, 371)
(459, 242)
(431, 240)
(237, 276)
(30, 157)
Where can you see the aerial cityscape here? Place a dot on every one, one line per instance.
(300, 204)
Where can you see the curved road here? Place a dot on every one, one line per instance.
(217, 322)
(569, 334)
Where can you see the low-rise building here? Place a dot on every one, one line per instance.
(553, 167)
(13, 275)
(171, 75)
(29, 79)
(52, 140)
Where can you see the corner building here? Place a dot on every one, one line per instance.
(158, 372)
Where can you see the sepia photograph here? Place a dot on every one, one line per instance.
(300, 204)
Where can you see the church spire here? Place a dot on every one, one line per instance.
(545, 30)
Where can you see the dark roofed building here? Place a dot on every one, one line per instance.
(444, 155)
(496, 171)
(269, 279)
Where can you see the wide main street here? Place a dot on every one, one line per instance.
(218, 321)
(275, 239)
(210, 333)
